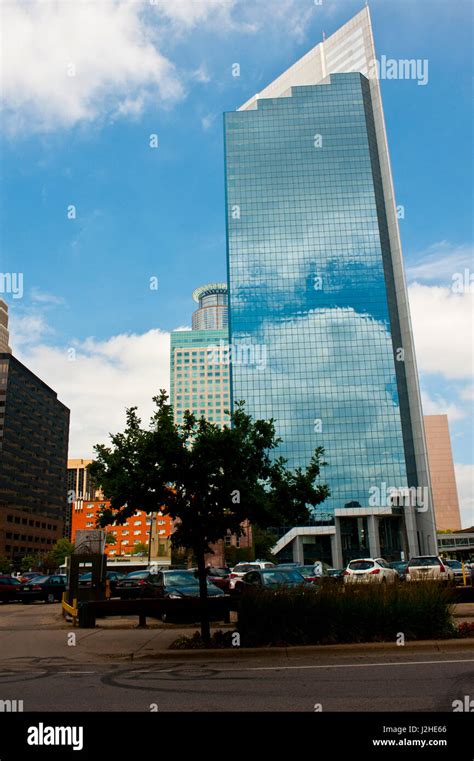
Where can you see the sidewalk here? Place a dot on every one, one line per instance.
(41, 634)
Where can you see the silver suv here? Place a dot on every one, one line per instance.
(428, 568)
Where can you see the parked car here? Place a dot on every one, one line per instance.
(27, 577)
(456, 567)
(9, 588)
(220, 577)
(46, 588)
(400, 566)
(171, 584)
(290, 565)
(239, 571)
(85, 580)
(367, 570)
(429, 568)
(336, 574)
(270, 578)
(175, 584)
(308, 572)
(137, 584)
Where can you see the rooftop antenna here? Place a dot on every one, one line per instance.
(324, 36)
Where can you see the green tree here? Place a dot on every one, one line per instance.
(28, 562)
(263, 543)
(209, 480)
(61, 550)
(110, 539)
(140, 549)
(5, 564)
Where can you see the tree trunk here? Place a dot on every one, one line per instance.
(202, 575)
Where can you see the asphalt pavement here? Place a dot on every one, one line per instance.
(52, 667)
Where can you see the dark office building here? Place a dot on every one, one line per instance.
(34, 431)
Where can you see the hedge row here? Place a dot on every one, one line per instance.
(346, 613)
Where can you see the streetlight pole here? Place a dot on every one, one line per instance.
(150, 538)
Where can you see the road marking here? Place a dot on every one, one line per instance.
(351, 665)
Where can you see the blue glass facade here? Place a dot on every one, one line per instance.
(311, 285)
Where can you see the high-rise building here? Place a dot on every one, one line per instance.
(34, 431)
(199, 370)
(443, 477)
(4, 334)
(199, 359)
(317, 289)
(80, 487)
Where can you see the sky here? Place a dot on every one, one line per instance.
(93, 215)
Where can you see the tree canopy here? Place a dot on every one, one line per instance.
(208, 479)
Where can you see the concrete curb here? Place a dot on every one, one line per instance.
(256, 652)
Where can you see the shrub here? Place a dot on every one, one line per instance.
(465, 629)
(335, 614)
(219, 640)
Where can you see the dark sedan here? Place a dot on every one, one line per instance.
(271, 578)
(336, 575)
(218, 576)
(400, 566)
(113, 577)
(10, 588)
(456, 567)
(172, 584)
(46, 588)
(25, 578)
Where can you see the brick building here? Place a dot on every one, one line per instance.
(135, 531)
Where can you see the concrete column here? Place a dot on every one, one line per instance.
(410, 526)
(298, 552)
(336, 547)
(374, 539)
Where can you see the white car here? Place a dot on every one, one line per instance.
(242, 568)
(365, 570)
(428, 568)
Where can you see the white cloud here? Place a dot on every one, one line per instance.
(201, 74)
(207, 121)
(36, 294)
(441, 261)
(443, 326)
(465, 484)
(437, 405)
(28, 328)
(468, 393)
(189, 13)
(69, 62)
(108, 46)
(105, 378)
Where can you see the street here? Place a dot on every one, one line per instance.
(114, 670)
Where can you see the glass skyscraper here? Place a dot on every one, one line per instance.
(199, 367)
(316, 281)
